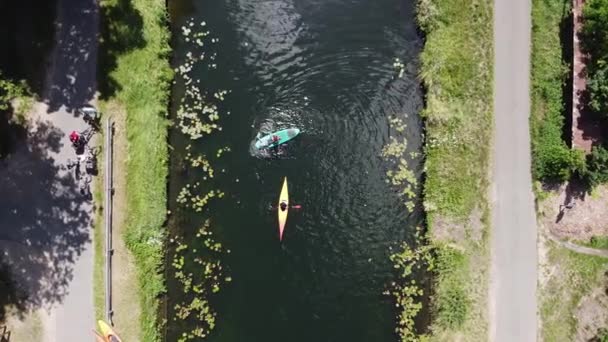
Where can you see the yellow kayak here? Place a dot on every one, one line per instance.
(107, 333)
(283, 208)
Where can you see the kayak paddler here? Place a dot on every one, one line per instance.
(283, 204)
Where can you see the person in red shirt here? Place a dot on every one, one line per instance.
(74, 137)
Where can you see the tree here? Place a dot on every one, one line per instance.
(598, 90)
(595, 29)
(10, 90)
(597, 166)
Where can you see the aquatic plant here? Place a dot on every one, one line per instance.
(405, 290)
(222, 151)
(397, 64)
(397, 124)
(201, 161)
(198, 112)
(197, 287)
(198, 269)
(402, 176)
(395, 148)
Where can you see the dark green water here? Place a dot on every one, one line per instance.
(327, 68)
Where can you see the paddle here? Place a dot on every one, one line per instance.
(295, 206)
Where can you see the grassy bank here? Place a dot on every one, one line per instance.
(457, 73)
(135, 72)
(569, 277)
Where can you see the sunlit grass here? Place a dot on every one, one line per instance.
(457, 72)
(573, 276)
(457, 64)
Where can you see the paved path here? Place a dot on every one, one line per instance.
(513, 306)
(45, 223)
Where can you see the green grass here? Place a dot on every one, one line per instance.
(600, 242)
(457, 65)
(451, 301)
(574, 276)
(549, 72)
(457, 73)
(135, 52)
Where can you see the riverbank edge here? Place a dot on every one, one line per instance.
(456, 71)
(566, 278)
(139, 81)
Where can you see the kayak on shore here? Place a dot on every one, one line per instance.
(106, 333)
(277, 138)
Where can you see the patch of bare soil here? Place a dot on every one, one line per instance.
(592, 315)
(125, 290)
(458, 232)
(572, 214)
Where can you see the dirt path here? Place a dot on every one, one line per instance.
(578, 248)
(513, 302)
(45, 223)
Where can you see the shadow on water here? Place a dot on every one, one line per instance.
(43, 225)
(121, 32)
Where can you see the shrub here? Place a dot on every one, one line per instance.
(598, 90)
(557, 162)
(597, 166)
(594, 37)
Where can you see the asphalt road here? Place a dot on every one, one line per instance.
(45, 223)
(513, 302)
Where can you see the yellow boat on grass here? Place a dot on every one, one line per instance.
(283, 208)
(106, 333)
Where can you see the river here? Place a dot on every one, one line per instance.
(326, 67)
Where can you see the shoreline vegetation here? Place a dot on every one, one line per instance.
(456, 70)
(135, 75)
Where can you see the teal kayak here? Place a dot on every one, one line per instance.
(283, 136)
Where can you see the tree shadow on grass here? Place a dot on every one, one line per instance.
(44, 223)
(121, 32)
